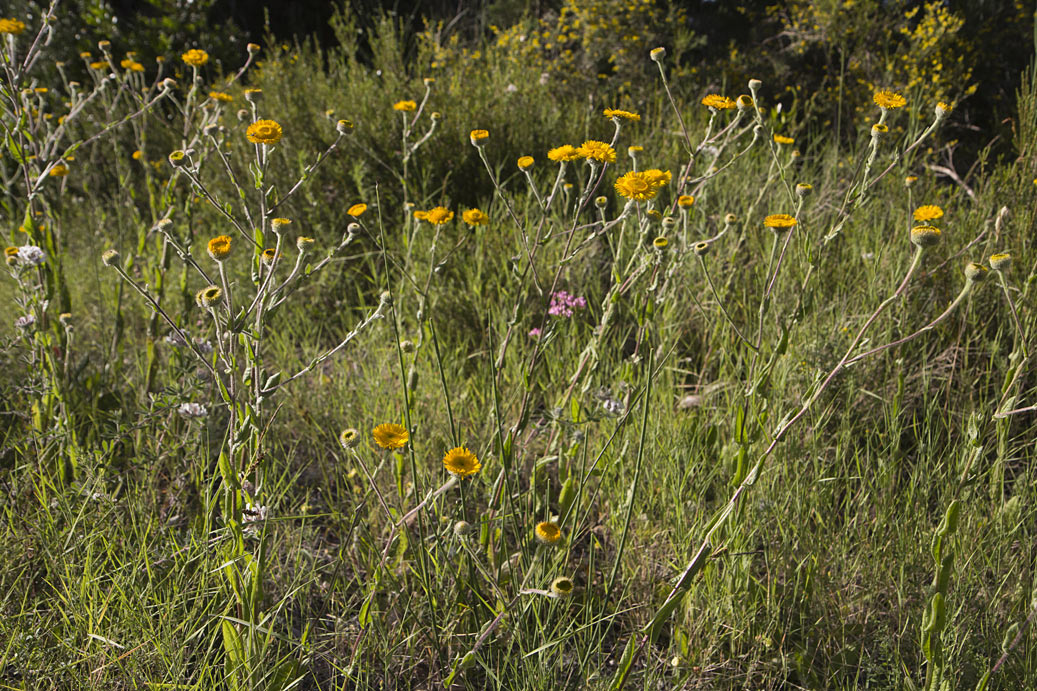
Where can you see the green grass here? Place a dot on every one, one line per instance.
(125, 570)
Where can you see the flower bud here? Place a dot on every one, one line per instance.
(754, 84)
(925, 236)
(344, 127)
(303, 243)
(803, 189)
(407, 346)
(110, 258)
(176, 159)
(669, 222)
(601, 202)
(657, 54)
(1000, 261)
(562, 586)
(349, 438)
(252, 48)
(975, 272)
(462, 528)
(701, 248)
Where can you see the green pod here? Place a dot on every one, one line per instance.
(566, 497)
(950, 519)
(939, 613)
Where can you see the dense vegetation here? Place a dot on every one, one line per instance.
(572, 345)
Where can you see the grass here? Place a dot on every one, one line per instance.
(248, 548)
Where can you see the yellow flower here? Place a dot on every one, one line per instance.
(685, 201)
(461, 462)
(357, 210)
(264, 132)
(928, 212)
(390, 436)
(268, 256)
(661, 242)
(279, 223)
(617, 114)
(889, 100)
(137, 155)
(59, 171)
(99, 65)
(568, 152)
(220, 96)
(633, 150)
(597, 151)
(475, 217)
(208, 297)
(421, 215)
(718, 102)
(779, 221)
(439, 215)
(479, 137)
(547, 533)
(942, 109)
(525, 162)
(303, 243)
(744, 101)
(405, 106)
(879, 128)
(657, 178)
(11, 26)
(912, 179)
(131, 65)
(782, 139)
(1000, 261)
(562, 586)
(636, 186)
(195, 57)
(219, 247)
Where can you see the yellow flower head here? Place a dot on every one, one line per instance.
(475, 217)
(782, 139)
(220, 96)
(657, 178)
(268, 256)
(405, 106)
(478, 137)
(390, 436)
(889, 100)
(279, 223)
(11, 26)
(461, 462)
(208, 297)
(1000, 261)
(617, 114)
(566, 152)
(264, 132)
(525, 162)
(131, 65)
(685, 201)
(219, 247)
(357, 210)
(421, 215)
(597, 151)
(195, 57)
(925, 235)
(439, 215)
(562, 586)
(59, 171)
(942, 109)
(633, 150)
(547, 533)
(99, 65)
(928, 212)
(744, 101)
(879, 128)
(718, 102)
(303, 243)
(660, 242)
(779, 221)
(910, 180)
(636, 186)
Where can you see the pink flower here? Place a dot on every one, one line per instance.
(534, 333)
(563, 304)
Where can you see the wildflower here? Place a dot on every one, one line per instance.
(252, 95)
(461, 462)
(754, 84)
(219, 247)
(176, 158)
(462, 528)
(303, 243)
(11, 255)
(525, 162)
(421, 215)
(137, 155)
(803, 189)
(192, 410)
(669, 223)
(344, 127)
(278, 223)
(11, 26)
(349, 438)
(99, 65)
(601, 202)
(975, 272)
(744, 101)
(209, 297)
(25, 321)
(479, 137)
(195, 57)
(563, 304)
(566, 152)
(59, 171)
(31, 255)
(925, 235)
(264, 132)
(597, 151)
(104, 46)
(168, 84)
(617, 114)
(439, 215)
(782, 139)
(407, 346)
(657, 178)
(534, 333)
(1000, 261)
(547, 533)
(889, 100)
(879, 129)
(220, 96)
(252, 48)
(657, 54)
(268, 256)
(131, 65)
(390, 436)
(928, 213)
(562, 587)
(357, 210)
(660, 243)
(718, 102)
(405, 106)
(730, 219)
(911, 180)
(110, 258)
(633, 150)
(779, 222)
(685, 201)
(636, 186)
(475, 217)
(701, 248)
(942, 109)
(65, 319)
